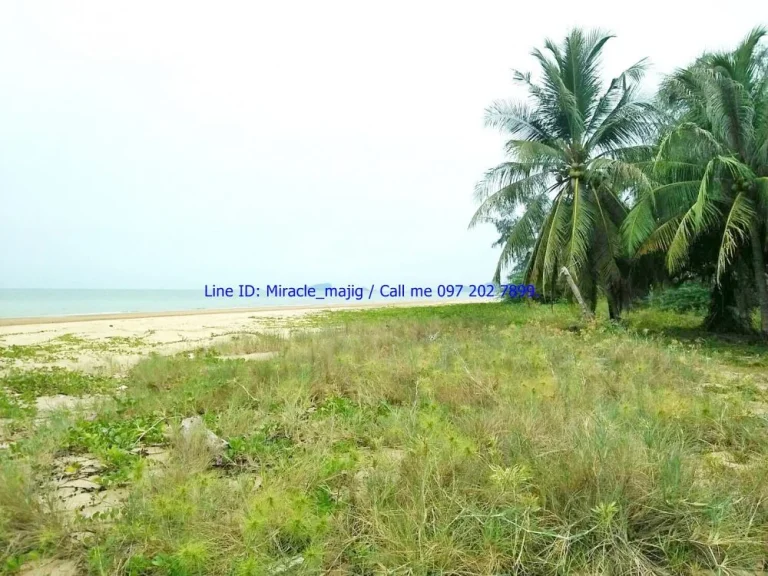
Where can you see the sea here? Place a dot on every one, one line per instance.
(29, 303)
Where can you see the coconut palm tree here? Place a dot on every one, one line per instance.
(710, 173)
(570, 168)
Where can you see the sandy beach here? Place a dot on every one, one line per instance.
(114, 342)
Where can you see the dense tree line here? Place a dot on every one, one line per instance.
(628, 192)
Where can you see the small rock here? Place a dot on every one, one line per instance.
(190, 425)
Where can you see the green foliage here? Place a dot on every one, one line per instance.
(63, 346)
(689, 296)
(704, 205)
(11, 406)
(268, 444)
(14, 352)
(49, 381)
(626, 193)
(114, 437)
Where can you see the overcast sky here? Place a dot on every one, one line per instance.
(173, 144)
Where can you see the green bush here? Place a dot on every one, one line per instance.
(688, 296)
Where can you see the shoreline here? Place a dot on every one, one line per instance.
(30, 320)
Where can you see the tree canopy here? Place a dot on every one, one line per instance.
(616, 188)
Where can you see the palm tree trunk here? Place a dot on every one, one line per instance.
(593, 295)
(728, 310)
(758, 268)
(614, 311)
(577, 293)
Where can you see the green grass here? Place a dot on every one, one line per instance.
(112, 437)
(29, 384)
(466, 439)
(67, 345)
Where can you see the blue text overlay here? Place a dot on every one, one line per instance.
(372, 291)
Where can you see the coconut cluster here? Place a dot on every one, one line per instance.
(743, 185)
(577, 170)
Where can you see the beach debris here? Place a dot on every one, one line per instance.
(50, 567)
(193, 425)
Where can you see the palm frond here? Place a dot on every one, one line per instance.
(518, 120)
(582, 221)
(523, 234)
(557, 237)
(548, 156)
(639, 224)
(736, 231)
(509, 197)
(661, 238)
